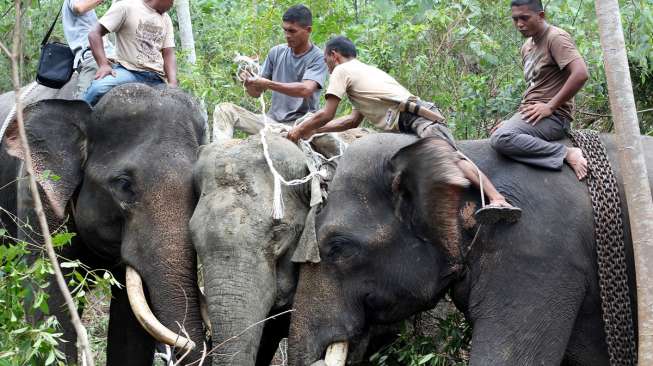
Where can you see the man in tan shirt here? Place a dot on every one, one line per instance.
(554, 72)
(375, 95)
(145, 49)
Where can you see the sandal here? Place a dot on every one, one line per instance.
(493, 213)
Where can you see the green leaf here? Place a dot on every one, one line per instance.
(426, 359)
(50, 359)
(69, 264)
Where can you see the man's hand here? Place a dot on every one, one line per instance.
(496, 127)
(104, 70)
(534, 113)
(297, 133)
(258, 83)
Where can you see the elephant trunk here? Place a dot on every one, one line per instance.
(240, 290)
(321, 326)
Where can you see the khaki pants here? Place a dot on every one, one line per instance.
(228, 116)
(86, 75)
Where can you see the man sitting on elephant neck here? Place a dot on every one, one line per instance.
(145, 46)
(554, 72)
(377, 96)
(295, 72)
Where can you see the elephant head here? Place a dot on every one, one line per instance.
(245, 253)
(392, 208)
(125, 172)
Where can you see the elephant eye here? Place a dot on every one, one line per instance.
(124, 183)
(341, 249)
(123, 189)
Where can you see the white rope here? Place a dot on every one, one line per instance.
(247, 65)
(12, 113)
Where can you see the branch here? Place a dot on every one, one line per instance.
(82, 336)
(609, 115)
(6, 50)
(239, 334)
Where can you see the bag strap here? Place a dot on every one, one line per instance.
(47, 36)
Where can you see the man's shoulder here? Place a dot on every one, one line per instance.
(555, 33)
(278, 50)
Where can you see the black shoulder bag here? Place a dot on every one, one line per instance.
(56, 62)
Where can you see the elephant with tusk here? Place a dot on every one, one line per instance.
(248, 257)
(397, 234)
(125, 188)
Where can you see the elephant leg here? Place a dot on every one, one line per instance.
(533, 330)
(128, 344)
(274, 331)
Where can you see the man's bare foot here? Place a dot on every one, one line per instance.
(577, 162)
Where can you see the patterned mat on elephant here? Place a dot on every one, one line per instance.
(609, 235)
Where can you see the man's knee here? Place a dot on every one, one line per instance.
(501, 139)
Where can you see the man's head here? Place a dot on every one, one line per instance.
(161, 6)
(297, 26)
(338, 49)
(528, 16)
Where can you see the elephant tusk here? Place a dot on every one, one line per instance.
(336, 354)
(147, 319)
(204, 311)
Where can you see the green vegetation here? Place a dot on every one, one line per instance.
(463, 55)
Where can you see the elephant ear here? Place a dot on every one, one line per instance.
(427, 186)
(55, 133)
(307, 250)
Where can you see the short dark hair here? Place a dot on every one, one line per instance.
(299, 14)
(342, 45)
(534, 5)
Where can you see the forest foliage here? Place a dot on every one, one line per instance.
(463, 55)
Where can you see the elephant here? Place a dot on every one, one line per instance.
(246, 255)
(126, 190)
(398, 232)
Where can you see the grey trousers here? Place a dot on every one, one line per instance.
(530, 144)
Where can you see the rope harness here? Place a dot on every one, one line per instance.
(317, 163)
(610, 248)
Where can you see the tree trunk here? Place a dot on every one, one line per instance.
(186, 29)
(631, 158)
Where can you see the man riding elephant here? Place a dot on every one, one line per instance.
(295, 73)
(554, 72)
(145, 47)
(378, 97)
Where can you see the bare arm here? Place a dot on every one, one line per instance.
(319, 119)
(343, 123)
(97, 48)
(82, 6)
(303, 89)
(578, 75)
(170, 65)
